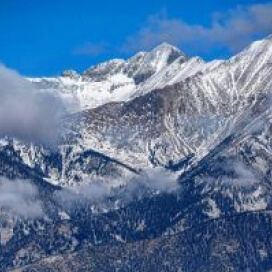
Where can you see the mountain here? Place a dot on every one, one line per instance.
(163, 124)
(169, 159)
(112, 81)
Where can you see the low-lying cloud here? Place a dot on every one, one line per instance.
(243, 176)
(20, 198)
(231, 30)
(135, 187)
(236, 174)
(26, 112)
(157, 179)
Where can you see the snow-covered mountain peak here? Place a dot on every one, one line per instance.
(260, 47)
(122, 80)
(163, 55)
(72, 74)
(150, 63)
(139, 67)
(166, 47)
(114, 80)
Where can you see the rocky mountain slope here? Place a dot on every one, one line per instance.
(163, 122)
(207, 126)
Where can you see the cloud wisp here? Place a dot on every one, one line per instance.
(99, 190)
(26, 112)
(91, 49)
(20, 198)
(243, 176)
(231, 30)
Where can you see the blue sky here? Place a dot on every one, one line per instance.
(44, 37)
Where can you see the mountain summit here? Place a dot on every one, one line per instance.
(139, 67)
(114, 80)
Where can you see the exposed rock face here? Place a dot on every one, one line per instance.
(210, 123)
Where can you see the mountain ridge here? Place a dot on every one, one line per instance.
(202, 86)
(203, 127)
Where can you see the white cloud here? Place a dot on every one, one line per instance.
(19, 197)
(243, 175)
(26, 112)
(232, 30)
(157, 179)
(135, 187)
